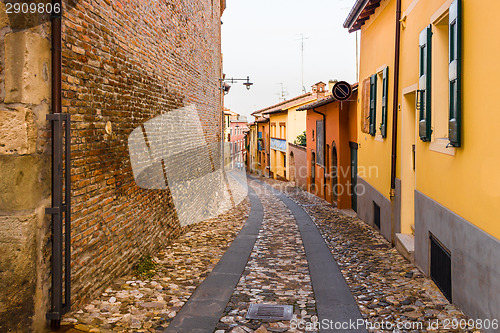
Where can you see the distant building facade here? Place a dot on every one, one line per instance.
(284, 125)
(332, 149)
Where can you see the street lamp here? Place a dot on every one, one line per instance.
(225, 87)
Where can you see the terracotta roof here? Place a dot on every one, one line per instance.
(283, 104)
(229, 112)
(275, 111)
(324, 101)
(317, 104)
(360, 12)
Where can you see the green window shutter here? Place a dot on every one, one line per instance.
(373, 103)
(424, 84)
(455, 47)
(385, 89)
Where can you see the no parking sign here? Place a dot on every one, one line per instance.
(342, 91)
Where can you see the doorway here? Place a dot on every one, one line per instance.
(354, 175)
(334, 173)
(408, 163)
(313, 173)
(292, 167)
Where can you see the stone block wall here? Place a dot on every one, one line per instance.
(24, 173)
(124, 63)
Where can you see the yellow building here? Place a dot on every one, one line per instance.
(228, 116)
(431, 183)
(252, 142)
(285, 124)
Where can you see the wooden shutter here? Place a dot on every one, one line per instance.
(455, 46)
(385, 89)
(365, 111)
(424, 84)
(373, 103)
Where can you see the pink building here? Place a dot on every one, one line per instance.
(236, 136)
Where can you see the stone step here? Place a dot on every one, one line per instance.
(405, 244)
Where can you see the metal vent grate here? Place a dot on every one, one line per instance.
(378, 246)
(270, 312)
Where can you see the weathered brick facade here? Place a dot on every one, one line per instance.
(124, 63)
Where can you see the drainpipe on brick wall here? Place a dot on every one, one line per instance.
(56, 60)
(56, 107)
(395, 110)
(324, 151)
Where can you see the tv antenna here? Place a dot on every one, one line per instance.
(302, 38)
(282, 95)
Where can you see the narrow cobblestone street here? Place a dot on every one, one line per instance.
(276, 273)
(385, 286)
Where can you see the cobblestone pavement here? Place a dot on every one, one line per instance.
(133, 305)
(276, 273)
(386, 286)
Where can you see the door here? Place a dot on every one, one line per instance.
(408, 163)
(292, 168)
(334, 173)
(354, 175)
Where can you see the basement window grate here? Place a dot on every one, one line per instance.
(376, 215)
(441, 267)
(270, 312)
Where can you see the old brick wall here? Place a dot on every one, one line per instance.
(126, 62)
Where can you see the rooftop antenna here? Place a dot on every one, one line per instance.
(282, 95)
(302, 38)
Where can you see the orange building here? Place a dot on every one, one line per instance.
(332, 149)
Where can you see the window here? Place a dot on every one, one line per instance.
(385, 94)
(373, 103)
(379, 111)
(282, 131)
(365, 107)
(320, 142)
(440, 44)
(455, 51)
(439, 88)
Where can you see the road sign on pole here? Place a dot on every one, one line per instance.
(342, 91)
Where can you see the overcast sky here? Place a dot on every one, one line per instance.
(261, 39)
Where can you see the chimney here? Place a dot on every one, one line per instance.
(318, 89)
(331, 83)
